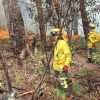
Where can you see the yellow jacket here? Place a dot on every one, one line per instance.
(93, 38)
(62, 55)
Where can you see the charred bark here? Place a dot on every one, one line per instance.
(15, 25)
(41, 20)
(84, 18)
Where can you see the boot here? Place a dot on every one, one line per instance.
(66, 90)
(89, 60)
(69, 80)
(95, 63)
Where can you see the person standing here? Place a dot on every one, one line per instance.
(93, 38)
(62, 59)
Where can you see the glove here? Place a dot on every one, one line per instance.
(65, 68)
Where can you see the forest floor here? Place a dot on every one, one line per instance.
(85, 76)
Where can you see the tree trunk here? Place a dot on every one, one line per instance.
(58, 12)
(84, 18)
(15, 25)
(41, 20)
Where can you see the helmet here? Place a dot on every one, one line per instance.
(55, 31)
(92, 26)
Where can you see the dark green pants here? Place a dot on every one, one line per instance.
(92, 53)
(62, 77)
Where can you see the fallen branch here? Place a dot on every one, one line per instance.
(37, 94)
(24, 93)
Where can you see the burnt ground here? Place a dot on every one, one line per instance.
(27, 77)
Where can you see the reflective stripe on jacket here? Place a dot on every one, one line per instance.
(93, 37)
(62, 55)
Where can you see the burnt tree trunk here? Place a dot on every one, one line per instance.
(41, 20)
(15, 25)
(84, 18)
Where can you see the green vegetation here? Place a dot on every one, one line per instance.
(59, 93)
(77, 44)
(18, 78)
(41, 46)
(1, 39)
(81, 73)
(72, 60)
(97, 55)
(77, 88)
(10, 62)
(2, 55)
(39, 70)
(42, 56)
(30, 59)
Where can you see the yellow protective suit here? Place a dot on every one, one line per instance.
(62, 55)
(93, 38)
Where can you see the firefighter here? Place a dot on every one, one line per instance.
(93, 38)
(62, 59)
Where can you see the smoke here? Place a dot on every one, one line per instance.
(3, 21)
(29, 23)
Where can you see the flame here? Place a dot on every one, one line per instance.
(4, 34)
(48, 38)
(30, 37)
(75, 36)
